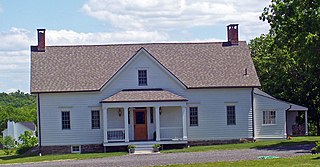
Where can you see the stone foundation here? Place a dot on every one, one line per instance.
(55, 150)
(89, 148)
(216, 142)
(92, 148)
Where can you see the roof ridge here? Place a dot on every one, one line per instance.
(143, 43)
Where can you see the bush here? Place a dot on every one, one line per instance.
(8, 144)
(28, 141)
(316, 149)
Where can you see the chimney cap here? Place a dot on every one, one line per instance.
(41, 29)
(232, 25)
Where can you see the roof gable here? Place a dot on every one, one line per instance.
(138, 54)
(89, 67)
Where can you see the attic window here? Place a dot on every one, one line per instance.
(142, 78)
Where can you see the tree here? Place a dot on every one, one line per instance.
(8, 144)
(18, 107)
(288, 58)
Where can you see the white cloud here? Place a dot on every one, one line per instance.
(62, 37)
(15, 49)
(164, 15)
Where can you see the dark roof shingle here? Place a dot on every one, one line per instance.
(89, 67)
(143, 96)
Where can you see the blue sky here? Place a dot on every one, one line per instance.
(115, 21)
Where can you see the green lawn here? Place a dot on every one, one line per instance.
(308, 160)
(20, 159)
(258, 144)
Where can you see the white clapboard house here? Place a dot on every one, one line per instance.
(99, 97)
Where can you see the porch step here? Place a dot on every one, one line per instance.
(143, 149)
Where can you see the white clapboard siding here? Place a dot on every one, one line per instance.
(213, 115)
(262, 103)
(211, 103)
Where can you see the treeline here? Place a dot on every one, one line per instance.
(287, 59)
(17, 106)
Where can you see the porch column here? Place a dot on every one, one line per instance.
(306, 122)
(126, 126)
(105, 124)
(184, 122)
(285, 124)
(157, 123)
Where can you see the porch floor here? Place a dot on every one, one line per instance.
(145, 142)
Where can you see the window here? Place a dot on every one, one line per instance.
(65, 118)
(142, 77)
(193, 116)
(75, 149)
(151, 115)
(231, 115)
(269, 117)
(95, 119)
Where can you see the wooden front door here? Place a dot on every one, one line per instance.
(140, 124)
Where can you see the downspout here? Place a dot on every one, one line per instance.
(253, 134)
(39, 126)
(287, 119)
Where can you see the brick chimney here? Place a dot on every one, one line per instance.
(41, 40)
(232, 30)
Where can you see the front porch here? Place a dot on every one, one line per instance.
(160, 121)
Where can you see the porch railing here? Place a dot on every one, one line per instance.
(115, 134)
(169, 133)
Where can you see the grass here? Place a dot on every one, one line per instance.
(258, 144)
(311, 160)
(23, 159)
(308, 160)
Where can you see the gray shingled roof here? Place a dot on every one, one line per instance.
(89, 67)
(294, 107)
(29, 125)
(143, 96)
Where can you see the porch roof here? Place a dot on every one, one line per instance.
(143, 96)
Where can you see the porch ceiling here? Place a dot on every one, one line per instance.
(143, 96)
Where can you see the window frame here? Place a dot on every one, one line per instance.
(231, 115)
(143, 78)
(77, 151)
(193, 114)
(268, 118)
(65, 126)
(95, 120)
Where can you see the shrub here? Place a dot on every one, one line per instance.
(8, 145)
(28, 141)
(316, 149)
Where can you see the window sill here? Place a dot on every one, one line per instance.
(269, 124)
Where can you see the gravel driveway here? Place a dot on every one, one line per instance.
(180, 158)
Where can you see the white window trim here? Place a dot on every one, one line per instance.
(76, 151)
(275, 119)
(69, 118)
(96, 109)
(143, 68)
(189, 114)
(235, 113)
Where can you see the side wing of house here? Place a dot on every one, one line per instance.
(269, 117)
